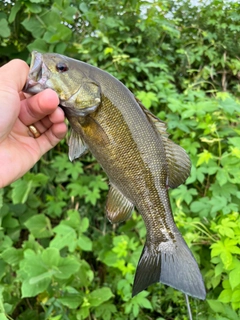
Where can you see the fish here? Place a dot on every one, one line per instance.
(133, 148)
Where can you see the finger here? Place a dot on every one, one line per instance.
(56, 117)
(51, 137)
(39, 106)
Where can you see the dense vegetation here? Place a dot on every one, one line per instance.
(60, 259)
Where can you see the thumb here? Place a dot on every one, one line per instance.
(13, 76)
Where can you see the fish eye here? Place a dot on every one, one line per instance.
(61, 67)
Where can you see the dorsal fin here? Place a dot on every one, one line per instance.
(178, 162)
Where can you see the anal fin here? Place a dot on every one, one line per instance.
(178, 163)
(118, 207)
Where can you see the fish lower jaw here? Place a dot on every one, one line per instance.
(34, 86)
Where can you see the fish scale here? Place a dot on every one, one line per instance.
(133, 149)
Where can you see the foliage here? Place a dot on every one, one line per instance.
(59, 257)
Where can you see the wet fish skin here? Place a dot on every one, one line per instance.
(133, 149)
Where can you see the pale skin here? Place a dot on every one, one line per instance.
(19, 150)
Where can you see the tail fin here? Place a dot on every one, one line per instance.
(173, 265)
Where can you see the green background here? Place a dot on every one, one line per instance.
(60, 258)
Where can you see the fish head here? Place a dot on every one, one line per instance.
(76, 91)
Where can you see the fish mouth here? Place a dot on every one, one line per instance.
(37, 77)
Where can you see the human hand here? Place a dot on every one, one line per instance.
(19, 150)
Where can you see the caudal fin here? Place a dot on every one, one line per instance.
(174, 265)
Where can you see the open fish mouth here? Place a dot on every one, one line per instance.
(37, 77)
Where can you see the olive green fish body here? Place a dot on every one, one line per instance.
(132, 155)
(133, 149)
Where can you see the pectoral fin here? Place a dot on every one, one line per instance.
(178, 162)
(118, 207)
(77, 146)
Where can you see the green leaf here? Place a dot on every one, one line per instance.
(63, 34)
(61, 47)
(230, 105)
(83, 313)
(21, 190)
(225, 296)
(5, 30)
(83, 7)
(10, 222)
(69, 13)
(135, 310)
(83, 226)
(226, 190)
(105, 311)
(215, 281)
(183, 194)
(51, 257)
(145, 303)
(235, 141)
(35, 26)
(12, 256)
(222, 176)
(216, 306)
(35, 276)
(23, 187)
(204, 157)
(39, 1)
(65, 237)
(99, 296)
(84, 243)
(14, 11)
(67, 267)
(236, 296)
(39, 226)
(55, 208)
(71, 298)
(52, 20)
(2, 315)
(110, 258)
(147, 98)
(217, 203)
(38, 180)
(37, 270)
(231, 245)
(85, 274)
(202, 206)
(38, 45)
(5, 242)
(34, 8)
(234, 276)
(73, 219)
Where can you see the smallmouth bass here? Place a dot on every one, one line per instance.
(134, 150)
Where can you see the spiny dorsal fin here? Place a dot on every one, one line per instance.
(118, 207)
(178, 162)
(77, 146)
